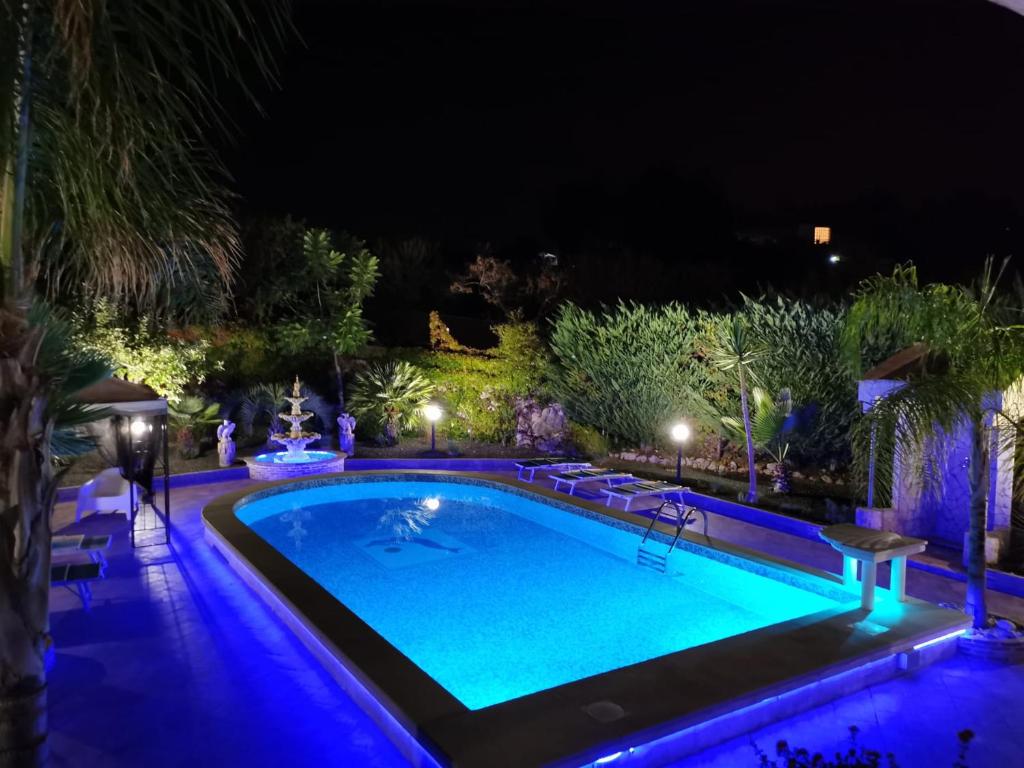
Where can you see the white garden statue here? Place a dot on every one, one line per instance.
(347, 434)
(225, 445)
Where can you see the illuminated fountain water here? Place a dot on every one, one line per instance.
(295, 440)
(295, 461)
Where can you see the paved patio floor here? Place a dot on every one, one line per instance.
(179, 664)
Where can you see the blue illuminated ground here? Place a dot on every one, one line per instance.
(497, 596)
(180, 664)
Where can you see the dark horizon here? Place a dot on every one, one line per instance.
(661, 131)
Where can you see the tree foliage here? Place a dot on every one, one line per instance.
(138, 354)
(516, 296)
(123, 185)
(631, 370)
(975, 349)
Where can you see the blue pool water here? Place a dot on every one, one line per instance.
(280, 457)
(496, 595)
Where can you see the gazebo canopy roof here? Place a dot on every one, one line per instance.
(122, 397)
(901, 364)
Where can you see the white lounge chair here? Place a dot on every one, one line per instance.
(572, 479)
(639, 490)
(107, 492)
(554, 464)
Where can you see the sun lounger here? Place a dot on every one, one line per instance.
(572, 479)
(644, 489)
(559, 464)
(77, 577)
(93, 546)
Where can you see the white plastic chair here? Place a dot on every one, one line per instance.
(107, 492)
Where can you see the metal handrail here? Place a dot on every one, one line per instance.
(681, 521)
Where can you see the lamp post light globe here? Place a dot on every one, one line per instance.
(432, 412)
(680, 434)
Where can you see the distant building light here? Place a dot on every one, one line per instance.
(834, 258)
(822, 235)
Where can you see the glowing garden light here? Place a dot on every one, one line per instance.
(139, 427)
(680, 434)
(834, 258)
(432, 412)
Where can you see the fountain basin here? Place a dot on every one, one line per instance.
(280, 465)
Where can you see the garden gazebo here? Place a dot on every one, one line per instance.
(137, 429)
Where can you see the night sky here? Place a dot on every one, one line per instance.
(661, 128)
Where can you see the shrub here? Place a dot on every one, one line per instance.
(261, 405)
(168, 365)
(632, 370)
(856, 755)
(191, 417)
(803, 343)
(478, 389)
(587, 441)
(389, 395)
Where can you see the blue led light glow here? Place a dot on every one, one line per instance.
(939, 639)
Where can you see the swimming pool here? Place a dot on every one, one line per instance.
(497, 595)
(485, 622)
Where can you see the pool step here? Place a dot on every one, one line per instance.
(653, 560)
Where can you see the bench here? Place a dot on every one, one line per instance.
(872, 547)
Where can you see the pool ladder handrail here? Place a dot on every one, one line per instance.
(682, 519)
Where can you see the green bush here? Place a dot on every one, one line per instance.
(191, 418)
(478, 388)
(588, 441)
(802, 343)
(388, 397)
(633, 370)
(166, 364)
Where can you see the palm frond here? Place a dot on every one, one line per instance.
(123, 180)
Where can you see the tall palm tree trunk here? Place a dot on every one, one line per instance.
(339, 380)
(751, 468)
(15, 198)
(27, 492)
(977, 523)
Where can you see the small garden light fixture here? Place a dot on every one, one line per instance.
(432, 412)
(680, 434)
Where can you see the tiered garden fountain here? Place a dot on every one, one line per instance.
(296, 460)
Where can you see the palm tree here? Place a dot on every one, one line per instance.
(190, 416)
(265, 402)
(975, 346)
(735, 351)
(39, 372)
(108, 182)
(390, 395)
(770, 422)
